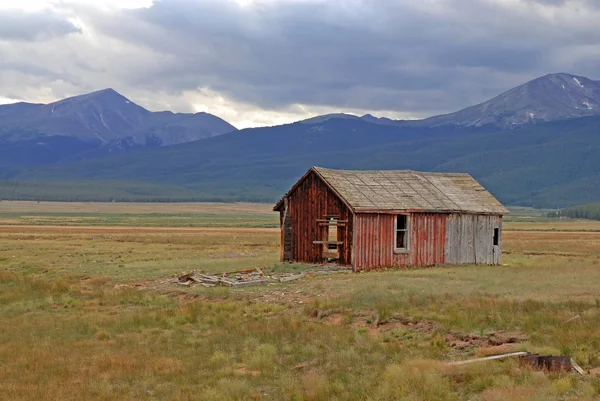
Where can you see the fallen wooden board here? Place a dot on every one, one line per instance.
(577, 368)
(572, 319)
(489, 358)
(291, 278)
(240, 271)
(231, 283)
(207, 279)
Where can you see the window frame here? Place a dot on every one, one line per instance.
(407, 233)
(332, 222)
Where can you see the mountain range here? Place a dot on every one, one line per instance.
(534, 145)
(552, 97)
(95, 125)
(549, 98)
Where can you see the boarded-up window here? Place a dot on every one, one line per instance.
(496, 236)
(401, 237)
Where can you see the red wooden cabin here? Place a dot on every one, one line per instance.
(374, 219)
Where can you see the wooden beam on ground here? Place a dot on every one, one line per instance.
(489, 358)
(577, 368)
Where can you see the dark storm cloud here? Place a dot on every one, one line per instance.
(29, 26)
(363, 54)
(416, 57)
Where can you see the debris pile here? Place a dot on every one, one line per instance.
(231, 279)
(250, 277)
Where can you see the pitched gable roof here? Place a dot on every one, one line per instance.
(388, 190)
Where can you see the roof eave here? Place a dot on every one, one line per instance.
(441, 211)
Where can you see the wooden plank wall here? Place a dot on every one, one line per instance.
(498, 248)
(375, 241)
(469, 239)
(310, 201)
(286, 232)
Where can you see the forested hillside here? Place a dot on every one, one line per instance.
(543, 165)
(589, 211)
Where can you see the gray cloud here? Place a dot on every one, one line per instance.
(40, 25)
(416, 58)
(323, 52)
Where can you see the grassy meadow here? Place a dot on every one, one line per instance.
(132, 214)
(87, 312)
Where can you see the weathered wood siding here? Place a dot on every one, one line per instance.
(374, 248)
(469, 239)
(286, 232)
(310, 201)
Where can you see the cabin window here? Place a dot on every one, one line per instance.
(401, 233)
(332, 232)
(496, 236)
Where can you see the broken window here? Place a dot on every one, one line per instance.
(332, 234)
(401, 232)
(496, 236)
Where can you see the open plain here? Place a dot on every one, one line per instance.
(87, 311)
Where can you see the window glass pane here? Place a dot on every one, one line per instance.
(401, 222)
(401, 239)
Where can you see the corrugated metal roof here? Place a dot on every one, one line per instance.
(388, 190)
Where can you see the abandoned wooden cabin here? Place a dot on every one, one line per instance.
(378, 219)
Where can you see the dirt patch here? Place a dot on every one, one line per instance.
(335, 319)
(497, 349)
(499, 338)
(414, 324)
(490, 343)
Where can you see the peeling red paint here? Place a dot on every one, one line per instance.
(310, 201)
(375, 241)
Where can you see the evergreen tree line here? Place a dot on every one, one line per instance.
(590, 211)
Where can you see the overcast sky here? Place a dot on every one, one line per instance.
(265, 62)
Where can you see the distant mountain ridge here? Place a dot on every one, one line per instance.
(552, 97)
(106, 119)
(549, 98)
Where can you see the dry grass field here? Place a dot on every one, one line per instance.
(115, 214)
(87, 312)
(134, 207)
(553, 225)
